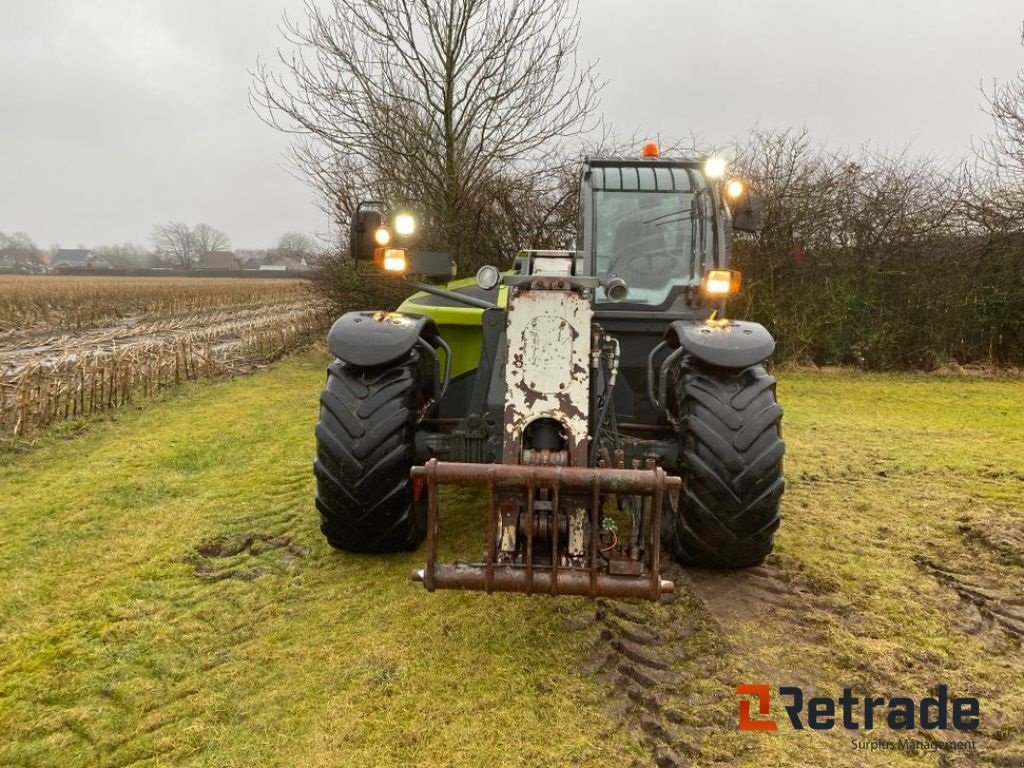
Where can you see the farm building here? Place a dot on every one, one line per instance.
(22, 259)
(272, 261)
(79, 258)
(217, 260)
(287, 263)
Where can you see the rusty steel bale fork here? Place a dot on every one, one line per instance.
(547, 527)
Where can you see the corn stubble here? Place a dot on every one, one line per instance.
(74, 347)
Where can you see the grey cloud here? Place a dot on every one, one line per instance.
(117, 115)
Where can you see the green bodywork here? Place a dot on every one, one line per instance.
(459, 325)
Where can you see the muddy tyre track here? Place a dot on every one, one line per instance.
(674, 665)
(643, 652)
(991, 606)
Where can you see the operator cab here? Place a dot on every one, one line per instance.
(646, 236)
(658, 224)
(662, 226)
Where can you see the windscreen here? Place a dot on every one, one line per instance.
(647, 239)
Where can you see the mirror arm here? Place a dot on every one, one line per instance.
(469, 301)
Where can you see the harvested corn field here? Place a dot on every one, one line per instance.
(72, 303)
(71, 347)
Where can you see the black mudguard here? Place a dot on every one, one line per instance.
(375, 338)
(723, 343)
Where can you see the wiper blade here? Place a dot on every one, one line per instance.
(666, 215)
(674, 221)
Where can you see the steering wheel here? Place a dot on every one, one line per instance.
(653, 265)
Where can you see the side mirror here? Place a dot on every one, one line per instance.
(362, 227)
(746, 217)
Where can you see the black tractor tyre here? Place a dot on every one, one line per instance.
(364, 450)
(731, 449)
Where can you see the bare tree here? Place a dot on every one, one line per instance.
(296, 245)
(17, 240)
(176, 242)
(431, 104)
(209, 239)
(998, 179)
(183, 245)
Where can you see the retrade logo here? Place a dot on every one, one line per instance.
(822, 713)
(747, 723)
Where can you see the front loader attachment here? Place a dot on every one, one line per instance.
(548, 531)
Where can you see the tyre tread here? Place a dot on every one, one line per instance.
(731, 464)
(364, 453)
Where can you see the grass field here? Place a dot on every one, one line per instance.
(166, 599)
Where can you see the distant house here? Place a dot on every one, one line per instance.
(79, 258)
(272, 261)
(22, 259)
(288, 263)
(251, 261)
(217, 260)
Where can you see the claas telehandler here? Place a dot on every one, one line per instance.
(599, 398)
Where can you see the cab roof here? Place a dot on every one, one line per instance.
(645, 175)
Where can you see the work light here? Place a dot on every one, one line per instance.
(393, 259)
(714, 167)
(488, 277)
(405, 224)
(719, 283)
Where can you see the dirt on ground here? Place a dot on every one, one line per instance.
(167, 598)
(674, 665)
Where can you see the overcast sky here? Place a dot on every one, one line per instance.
(119, 114)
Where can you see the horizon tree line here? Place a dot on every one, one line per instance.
(476, 113)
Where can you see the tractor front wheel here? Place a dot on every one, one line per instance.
(364, 451)
(731, 464)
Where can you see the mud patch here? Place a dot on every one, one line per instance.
(742, 593)
(1002, 533)
(664, 661)
(987, 604)
(753, 605)
(244, 556)
(988, 575)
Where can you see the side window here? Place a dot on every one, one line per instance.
(580, 224)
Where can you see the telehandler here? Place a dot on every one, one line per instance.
(599, 397)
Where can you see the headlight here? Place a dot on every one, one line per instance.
(734, 189)
(382, 236)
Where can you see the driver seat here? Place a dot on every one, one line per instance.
(633, 240)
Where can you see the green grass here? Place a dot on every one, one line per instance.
(887, 477)
(166, 597)
(115, 651)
